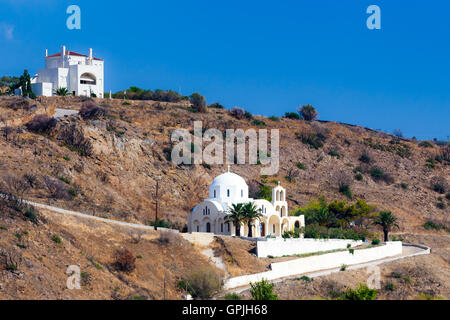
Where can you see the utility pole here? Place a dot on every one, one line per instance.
(156, 204)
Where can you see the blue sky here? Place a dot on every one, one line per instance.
(265, 56)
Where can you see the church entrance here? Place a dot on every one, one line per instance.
(208, 227)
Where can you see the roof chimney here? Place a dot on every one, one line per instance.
(90, 53)
(63, 50)
(46, 53)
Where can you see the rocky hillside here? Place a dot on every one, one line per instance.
(106, 164)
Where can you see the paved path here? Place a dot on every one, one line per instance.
(91, 217)
(61, 113)
(408, 250)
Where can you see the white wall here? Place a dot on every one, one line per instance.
(316, 263)
(287, 247)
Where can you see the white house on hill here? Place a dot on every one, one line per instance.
(229, 188)
(82, 75)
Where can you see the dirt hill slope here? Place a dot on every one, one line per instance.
(129, 146)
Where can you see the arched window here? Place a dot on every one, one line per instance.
(228, 226)
(204, 212)
(88, 78)
(198, 228)
(273, 228)
(297, 225)
(242, 193)
(228, 193)
(215, 194)
(221, 227)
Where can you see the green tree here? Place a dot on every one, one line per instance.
(198, 102)
(236, 215)
(25, 83)
(308, 113)
(387, 221)
(262, 290)
(251, 214)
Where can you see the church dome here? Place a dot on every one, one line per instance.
(228, 186)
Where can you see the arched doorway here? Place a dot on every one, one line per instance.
(208, 227)
(297, 225)
(262, 229)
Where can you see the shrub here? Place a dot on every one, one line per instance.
(90, 110)
(311, 139)
(439, 188)
(447, 196)
(238, 113)
(430, 163)
(345, 190)
(167, 237)
(204, 283)
(125, 260)
(216, 105)
(426, 144)
(257, 122)
(305, 278)
(334, 153)
(343, 267)
(292, 115)
(404, 186)
(375, 242)
(41, 124)
(56, 188)
(440, 205)
(273, 118)
(233, 296)
(56, 239)
(359, 177)
(301, 166)
(31, 214)
(377, 173)
(365, 158)
(198, 102)
(74, 139)
(308, 113)
(389, 287)
(362, 293)
(262, 290)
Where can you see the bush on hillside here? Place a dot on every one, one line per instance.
(198, 102)
(263, 290)
(41, 124)
(308, 113)
(238, 113)
(204, 283)
(90, 110)
(125, 260)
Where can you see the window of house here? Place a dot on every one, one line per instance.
(242, 193)
(228, 193)
(273, 228)
(214, 193)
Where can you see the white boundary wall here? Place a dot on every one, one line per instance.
(320, 262)
(287, 247)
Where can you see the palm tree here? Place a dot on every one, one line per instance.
(62, 92)
(387, 221)
(235, 215)
(251, 214)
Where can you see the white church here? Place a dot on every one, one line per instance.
(81, 75)
(229, 188)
